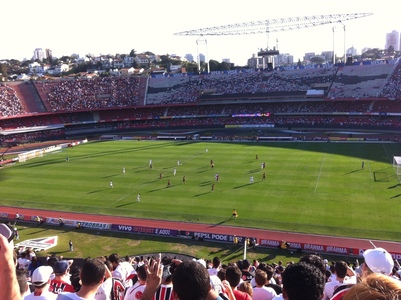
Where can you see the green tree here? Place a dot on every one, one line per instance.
(214, 65)
(317, 60)
(3, 71)
(224, 66)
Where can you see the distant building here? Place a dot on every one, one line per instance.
(283, 59)
(255, 62)
(189, 57)
(328, 55)
(309, 55)
(49, 54)
(202, 57)
(393, 39)
(38, 54)
(351, 52)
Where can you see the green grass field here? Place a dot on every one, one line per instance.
(310, 187)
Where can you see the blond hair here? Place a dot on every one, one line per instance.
(375, 287)
(246, 287)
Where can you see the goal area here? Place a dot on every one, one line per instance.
(397, 164)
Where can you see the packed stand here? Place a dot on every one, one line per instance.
(97, 93)
(10, 105)
(168, 277)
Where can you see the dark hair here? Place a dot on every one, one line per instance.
(233, 275)
(216, 262)
(314, 259)
(114, 258)
(191, 281)
(303, 281)
(141, 272)
(260, 277)
(222, 274)
(341, 268)
(92, 272)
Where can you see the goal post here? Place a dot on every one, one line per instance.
(397, 164)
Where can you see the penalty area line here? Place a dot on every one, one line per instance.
(320, 172)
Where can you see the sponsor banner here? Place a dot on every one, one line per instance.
(338, 250)
(307, 247)
(56, 221)
(93, 225)
(145, 230)
(39, 244)
(4, 215)
(216, 237)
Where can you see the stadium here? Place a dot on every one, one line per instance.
(328, 136)
(357, 103)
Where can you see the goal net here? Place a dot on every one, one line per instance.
(397, 164)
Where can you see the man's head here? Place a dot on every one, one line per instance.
(41, 276)
(216, 262)
(260, 277)
(246, 264)
(302, 281)
(378, 260)
(61, 268)
(314, 259)
(141, 273)
(92, 272)
(114, 259)
(191, 281)
(233, 275)
(341, 268)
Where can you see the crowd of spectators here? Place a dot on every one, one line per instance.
(349, 82)
(361, 82)
(86, 94)
(112, 102)
(10, 105)
(110, 276)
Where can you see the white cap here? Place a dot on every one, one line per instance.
(41, 275)
(379, 260)
(202, 262)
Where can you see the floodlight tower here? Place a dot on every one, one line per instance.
(275, 25)
(202, 41)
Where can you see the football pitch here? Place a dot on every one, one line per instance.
(310, 187)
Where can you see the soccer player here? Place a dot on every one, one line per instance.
(111, 184)
(212, 187)
(138, 197)
(168, 183)
(150, 164)
(251, 179)
(264, 176)
(123, 170)
(174, 171)
(184, 179)
(363, 165)
(235, 214)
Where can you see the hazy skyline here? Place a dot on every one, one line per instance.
(90, 26)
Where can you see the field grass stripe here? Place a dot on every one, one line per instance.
(320, 172)
(370, 171)
(388, 156)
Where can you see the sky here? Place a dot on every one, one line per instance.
(119, 26)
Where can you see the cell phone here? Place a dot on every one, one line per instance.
(6, 231)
